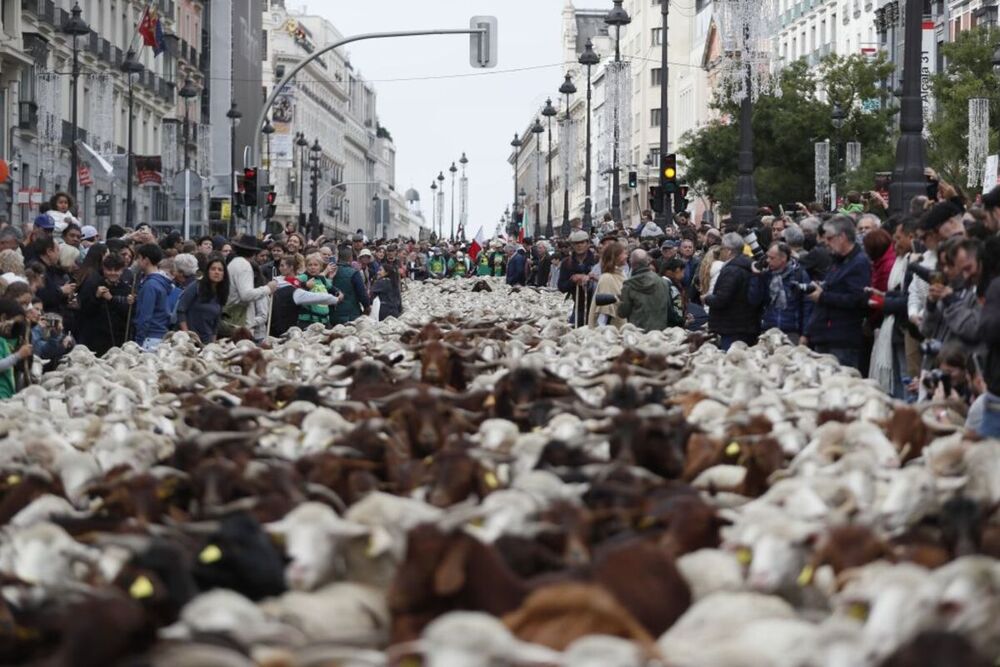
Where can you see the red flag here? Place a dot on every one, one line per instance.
(151, 30)
(478, 244)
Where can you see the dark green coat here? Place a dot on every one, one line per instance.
(645, 300)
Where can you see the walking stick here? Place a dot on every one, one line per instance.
(128, 318)
(27, 361)
(576, 307)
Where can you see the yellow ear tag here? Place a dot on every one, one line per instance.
(141, 588)
(733, 449)
(490, 401)
(491, 480)
(806, 576)
(13, 479)
(411, 661)
(370, 551)
(210, 554)
(858, 611)
(646, 522)
(744, 556)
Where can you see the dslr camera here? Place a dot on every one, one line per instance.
(759, 256)
(805, 288)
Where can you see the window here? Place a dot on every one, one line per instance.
(654, 118)
(655, 76)
(657, 36)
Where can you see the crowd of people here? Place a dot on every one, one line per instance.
(909, 300)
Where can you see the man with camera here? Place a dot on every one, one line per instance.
(952, 311)
(781, 288)
(841, 301)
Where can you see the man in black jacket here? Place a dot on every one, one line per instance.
(841, 302)
(731, 315)
(574, 275)
(989, 334)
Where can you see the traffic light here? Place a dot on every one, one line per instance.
(668, 167)
(248, 186)
(633, 179)
(656, 198)
(681, 203)
(270, 202)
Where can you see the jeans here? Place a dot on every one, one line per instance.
(726, 340)
(991, 417)
(847, 356)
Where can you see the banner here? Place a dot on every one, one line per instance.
(148, 169)
(282, 117)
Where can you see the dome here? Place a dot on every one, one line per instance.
(412, 195)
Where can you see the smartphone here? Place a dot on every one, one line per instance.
(937, 278)
(977, 365)
(932, 189)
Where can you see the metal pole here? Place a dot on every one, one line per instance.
(517, 150)
(548, 223)
(254, 146)
(565, 225)
(587, 204)
(452, 234)
(302, 187)
(538, 203)
(667, 207)
(129, 159)
(616, 200)
(187, 173)
(232, 175)
(911, 154)
(73, 156)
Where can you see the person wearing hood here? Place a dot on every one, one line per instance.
(152, 315)
(731, 314)
(645, 297)
(517, 267)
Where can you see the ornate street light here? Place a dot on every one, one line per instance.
(537, 130)
(617, 18)
(516, 144)
(302, 143)
(549, 111)
(565, 155)
(453, 169)
(588, 59)
(440, 180)
(75, 27)
(908, 179)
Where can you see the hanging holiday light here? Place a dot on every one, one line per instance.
(568, 164)
(745, 31)
(822, 170)
(852, 157)
(617, 111)
(979, 138)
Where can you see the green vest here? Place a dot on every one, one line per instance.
(483, 264)
(349, 309)
(458, 268)
(315, 312)
(7, 387)
(436, 266)
(498, 259)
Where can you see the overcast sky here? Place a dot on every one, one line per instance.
(433, 120)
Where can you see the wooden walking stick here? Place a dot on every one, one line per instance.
(128, 318)
(576, 307)
(25, 340)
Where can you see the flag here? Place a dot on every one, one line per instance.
(478, 244)
(151, 30)
(522, 227)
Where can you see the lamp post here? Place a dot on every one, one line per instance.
(516, 144)
(452, 169)
(314, 159)
(537, 130)
(267, 131)
(440, 180)
(567, 88)
(186, 93)
(588, 59)
(911, 154)
(234, 115)
(837, 116)
(463, 215)
(130, 66)
(549, 111)
(666, 207)
(617, 18)
(434, 204)
(302, 143)
(75, 27)
(745, 204)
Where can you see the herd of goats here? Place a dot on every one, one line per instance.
(478, 484)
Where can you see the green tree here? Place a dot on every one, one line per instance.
(968, 73)
(787, 127)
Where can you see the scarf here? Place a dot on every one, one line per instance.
(881, 367)
(776, 289)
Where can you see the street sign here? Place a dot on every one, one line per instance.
(195, 186)
(102, 204)
(483, 45)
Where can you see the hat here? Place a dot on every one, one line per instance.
(496, 243)
(939, 214)
(43, 221)
(578, 237)
(669, 243)
(651, 230)
(88, 232)
(355, 238)
(365, 253)
(246, 242)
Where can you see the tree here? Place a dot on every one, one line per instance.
(787, 127)
(968, 73)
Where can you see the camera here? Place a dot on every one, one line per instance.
(937, 377)
(930, 347)
(759, 256)
(805, 288)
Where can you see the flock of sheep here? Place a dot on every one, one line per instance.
(480, 484)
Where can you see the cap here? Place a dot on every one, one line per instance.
(44, 222)
(365, 253)
(88, 232)
(357, 238)
(578, 237)
(669, 243)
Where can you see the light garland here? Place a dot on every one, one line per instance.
(745, 30)
(852, 157)
(979, 138)
(822, 170)
(568, 164)
(617, 111)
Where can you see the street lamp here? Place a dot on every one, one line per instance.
(314, 159)
(130, 66)
(463, 214)
(452, 169)
(588, 59)
(186, 93)
(567, 88)
(234, 115)
(617, 18)
(838, 116)
(537, 130)
(516, 143)
(440, 179)
(549, 111)
(908, 179)
(267, 131)
(302, 143)
(434, 204)
(75, 27)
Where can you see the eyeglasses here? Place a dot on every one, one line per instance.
(830, 237)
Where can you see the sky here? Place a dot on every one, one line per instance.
(433, 120)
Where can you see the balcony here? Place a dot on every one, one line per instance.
(27, 115)
(67, 134)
